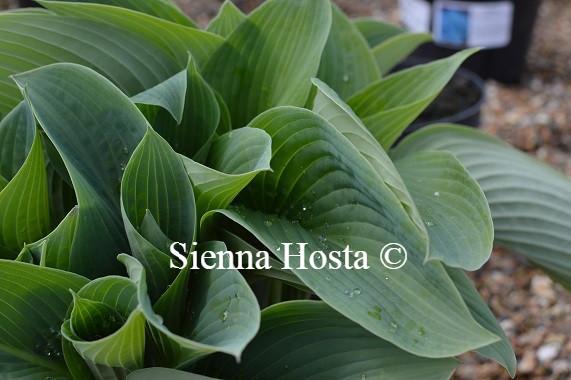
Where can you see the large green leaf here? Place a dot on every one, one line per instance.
(347, 64)
(24, 205)
(157, 200)
(31, 40)
(33, 305)
(227, 20)
(173, 39)
(94, 127)
(12, 368)
(388, 106)
(309, 340)
(223, 316)
(17, 131)
(155, 180)
(169, 95)
(234, 160)
(395, 49)
(453, 207)
(253, 75)
(332, 108)
(61, 194)
(106, 325)
(376, 31)
(501, 351)
(530, 202)
(164, 9)
(225, 124)
(324, 193)
(54, 250)
(194, 106)
(164, 374)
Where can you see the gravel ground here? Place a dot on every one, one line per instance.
(535, 117)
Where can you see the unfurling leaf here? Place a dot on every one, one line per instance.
(93, 320)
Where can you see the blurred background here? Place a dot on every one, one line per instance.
(519, 90)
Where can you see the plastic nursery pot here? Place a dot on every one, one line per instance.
(503, 28)
(27, 3)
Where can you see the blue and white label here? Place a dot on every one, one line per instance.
(461, 23)
(470, 24)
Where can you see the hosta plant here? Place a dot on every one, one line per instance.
(126, 128)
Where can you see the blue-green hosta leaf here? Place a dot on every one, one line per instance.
(253, 75)
(234, 160)
(157, 199)
(131, 61)
(78, 367)
(54, 250)
(530, 202)
(106, 325)
(309, 340)
(200, 113)
(395, 49)
(164, 374)
(93, 320)
(388, 106)
(453, 207)
(324, 193)
(225, 123)
(501, 351)
(17, 131)
(376, 31)
(24, 204)
(61, 193)
(173, 39)
(170, 95)
(347, 64)
(94, 127)
(223, 317)
(227, 20)
(164, 9)
(332, 108)
(12, 368)
(33, 305)
(155, 180)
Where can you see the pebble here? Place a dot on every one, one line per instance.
(528, 363)
(548, 352)
(561, 367)
(542, 286)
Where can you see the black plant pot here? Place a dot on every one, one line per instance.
(27, 3)
(505, 64)
(460, 102)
